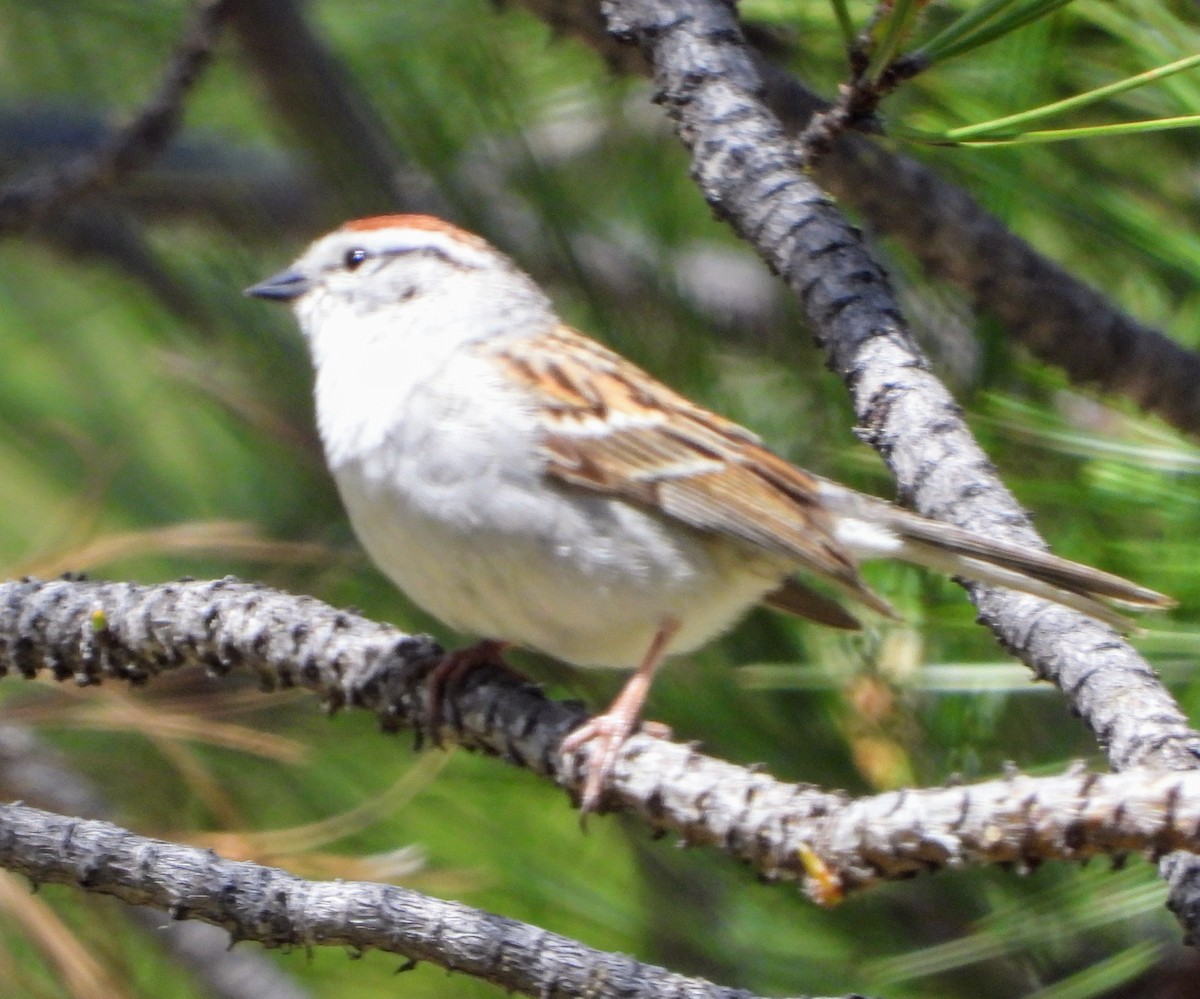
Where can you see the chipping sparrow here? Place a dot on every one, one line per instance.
(523, 483)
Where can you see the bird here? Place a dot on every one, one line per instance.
(523, 483)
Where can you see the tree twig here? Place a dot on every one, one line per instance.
(23, 203)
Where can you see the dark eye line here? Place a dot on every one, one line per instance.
(433, 251)
(357, 255)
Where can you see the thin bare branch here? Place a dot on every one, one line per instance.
(23, 203)
(254, 191)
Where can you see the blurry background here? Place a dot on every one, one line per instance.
(154, 423)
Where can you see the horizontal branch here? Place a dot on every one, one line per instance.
(86, 631)
(39, 776)
(90, 631)
(277, 909)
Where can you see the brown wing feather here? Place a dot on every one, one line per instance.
(793, 597)
(611, 427)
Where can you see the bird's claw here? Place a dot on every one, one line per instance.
(446, 679)
(609, 732)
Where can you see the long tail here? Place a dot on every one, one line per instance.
(888, 531)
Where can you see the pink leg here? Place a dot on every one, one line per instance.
(611, 729)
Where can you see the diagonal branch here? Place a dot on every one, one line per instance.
(23, 203)
(1059, 318)
(90, 631)
(744, 164)
(314, 96)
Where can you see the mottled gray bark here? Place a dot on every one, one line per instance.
(1056, 316)
(276, 909)
(744, 164)
(88, 632)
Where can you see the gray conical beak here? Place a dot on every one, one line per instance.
(282, 287)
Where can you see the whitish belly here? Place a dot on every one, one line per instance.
(446, 491)
(586, 579)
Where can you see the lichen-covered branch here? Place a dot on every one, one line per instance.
(86, 632)
(1020, 820)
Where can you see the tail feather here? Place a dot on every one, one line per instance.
(957, 552)
(1060, 573)
(1019, 579)
(873, 528)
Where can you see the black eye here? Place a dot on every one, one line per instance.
(354, 257)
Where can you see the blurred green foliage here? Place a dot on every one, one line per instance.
(144, 441)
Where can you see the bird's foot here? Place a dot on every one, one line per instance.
(611, 729)
(445, 679)
(609, 733)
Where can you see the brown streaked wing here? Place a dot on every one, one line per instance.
(611, 427)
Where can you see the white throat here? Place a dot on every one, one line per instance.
(372, 354)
